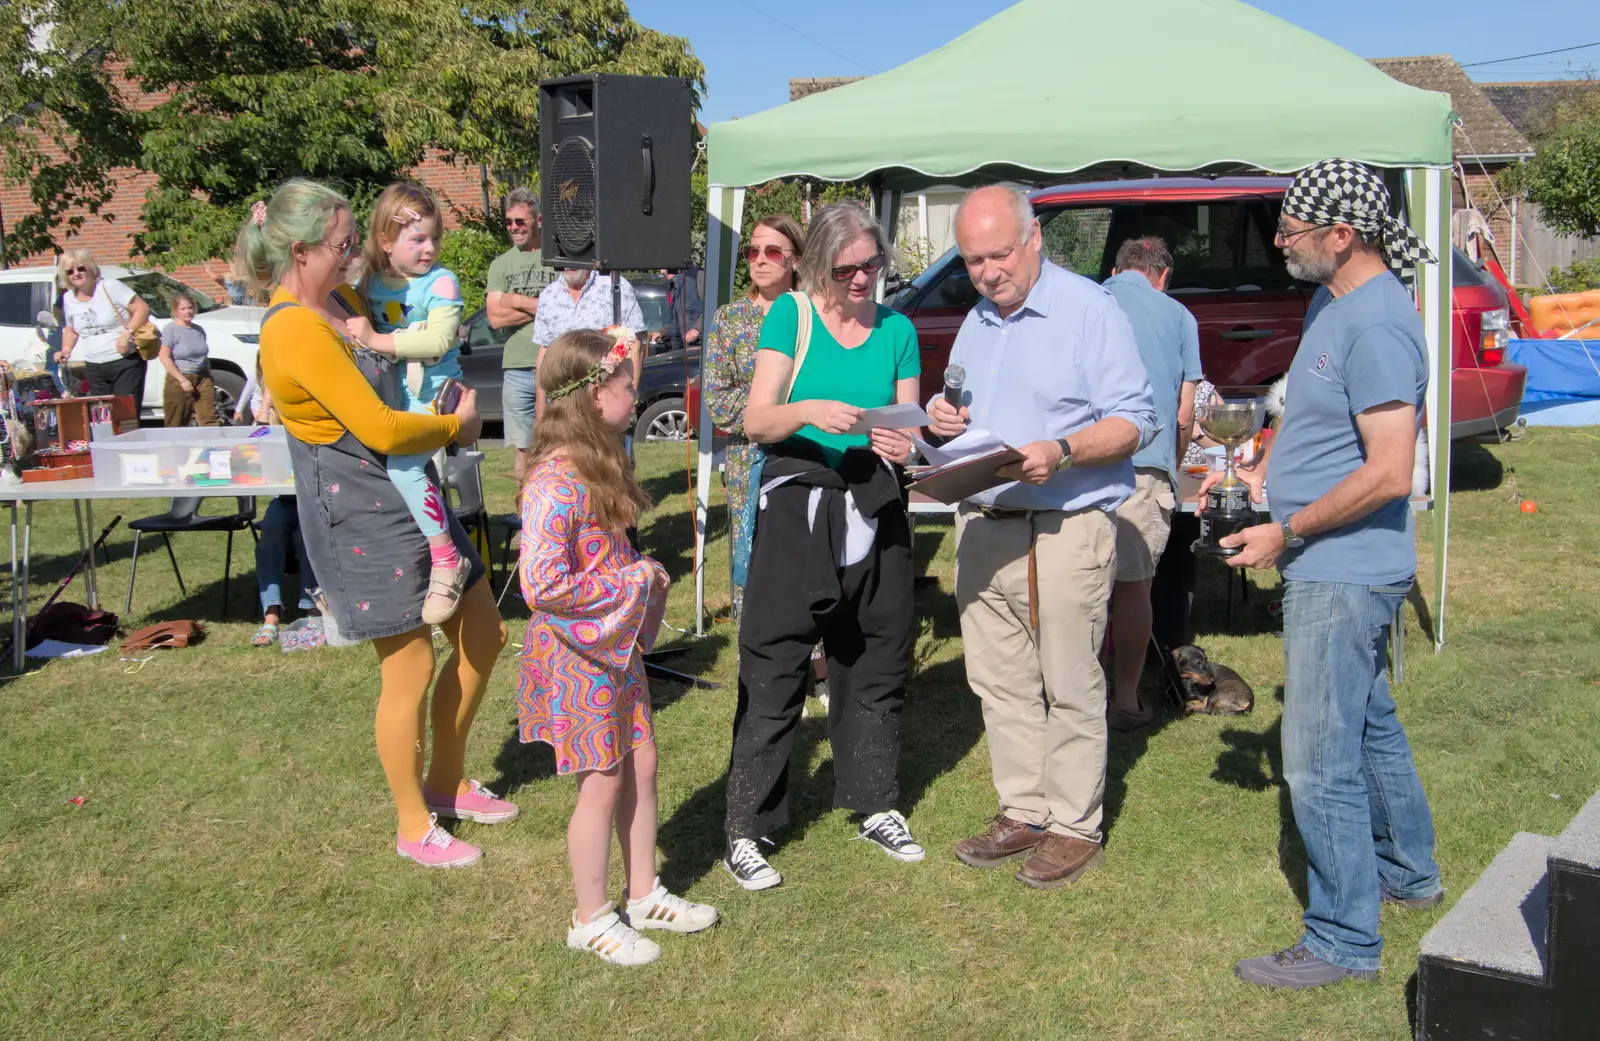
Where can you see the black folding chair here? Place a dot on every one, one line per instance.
(184, 515)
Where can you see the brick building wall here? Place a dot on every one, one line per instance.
(109, 235)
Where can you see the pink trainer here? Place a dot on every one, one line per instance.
(479, 805)
(438, 848)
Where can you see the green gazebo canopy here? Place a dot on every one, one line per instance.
(1051, 87)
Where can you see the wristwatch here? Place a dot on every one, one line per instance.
(1290, 539)
(1066, 454)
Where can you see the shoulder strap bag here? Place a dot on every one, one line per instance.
(146, 339)
(752, 501)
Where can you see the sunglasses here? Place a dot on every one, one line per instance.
(848, 272)
(774, 254)
(77, 271)
(517, 222)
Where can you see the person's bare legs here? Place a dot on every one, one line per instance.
(1131, 619)
(636, 820)
(589, 836)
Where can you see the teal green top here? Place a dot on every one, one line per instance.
(863, 376)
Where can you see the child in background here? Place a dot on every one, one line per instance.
(597, 605)
(415, 306)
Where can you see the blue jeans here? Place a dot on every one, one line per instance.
(1357, 799)
(517, 396)
(278, 525)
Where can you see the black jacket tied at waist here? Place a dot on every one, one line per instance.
(870, 482)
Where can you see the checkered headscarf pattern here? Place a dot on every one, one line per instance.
(1340, 191)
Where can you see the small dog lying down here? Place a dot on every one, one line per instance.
(1209, 687)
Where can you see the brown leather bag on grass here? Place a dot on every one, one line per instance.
(164, 635)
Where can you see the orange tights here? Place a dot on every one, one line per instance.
(476, 635)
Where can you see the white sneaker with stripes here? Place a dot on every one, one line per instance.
(611, 939)
(664, 910)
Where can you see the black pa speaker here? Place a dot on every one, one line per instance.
(614, 158)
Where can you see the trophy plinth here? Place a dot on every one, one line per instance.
(1227, 508)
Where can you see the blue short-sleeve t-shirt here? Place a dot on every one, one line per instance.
(1358, 351)
(863, 376)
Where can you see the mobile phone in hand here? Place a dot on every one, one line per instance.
(448, 399)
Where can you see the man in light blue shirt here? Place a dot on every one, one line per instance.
(1052, 368)
(1169, 344)
(581, 299)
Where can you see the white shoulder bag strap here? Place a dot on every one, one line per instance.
(802, 340)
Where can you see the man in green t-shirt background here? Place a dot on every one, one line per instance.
(515, 279)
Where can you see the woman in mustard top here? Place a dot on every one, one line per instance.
(340, 405)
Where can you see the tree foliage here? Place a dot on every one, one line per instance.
(1563, 177)
(256, 91)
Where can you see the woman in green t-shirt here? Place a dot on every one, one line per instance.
(831, 555)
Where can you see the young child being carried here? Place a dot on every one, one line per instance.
(415, 306)
(597, 605)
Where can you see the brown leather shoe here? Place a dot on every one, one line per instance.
(1059, 860)
(1004, 839)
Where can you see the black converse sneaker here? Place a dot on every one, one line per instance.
(889, 833)
(748, 867)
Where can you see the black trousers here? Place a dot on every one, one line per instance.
(1172, 590)
(867, 638)
(125, 376)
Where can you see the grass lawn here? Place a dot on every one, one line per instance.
(231, 871)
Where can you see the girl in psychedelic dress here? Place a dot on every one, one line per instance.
(597, 605)
(416, 307)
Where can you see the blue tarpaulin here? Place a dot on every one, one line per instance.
(1558, 370)
(1563, 381)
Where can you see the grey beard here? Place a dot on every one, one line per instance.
(1319, 271)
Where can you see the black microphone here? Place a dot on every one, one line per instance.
(955, 378)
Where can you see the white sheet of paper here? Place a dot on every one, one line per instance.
(896, 417)
(974, 442)
(61, 649)
(141, 469)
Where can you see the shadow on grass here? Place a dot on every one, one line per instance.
(1424, 616)
(1411, 1002)
(1247, 614)
(1473, 468)
(940, 723)
(1254, 762)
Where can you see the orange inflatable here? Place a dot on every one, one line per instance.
(1566, 312)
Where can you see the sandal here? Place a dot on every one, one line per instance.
(266, 636)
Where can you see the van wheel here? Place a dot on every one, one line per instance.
(230, 385)
(666, 420)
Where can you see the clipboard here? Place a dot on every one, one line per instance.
(957, 480)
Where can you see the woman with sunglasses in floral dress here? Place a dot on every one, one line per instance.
(774, 250)
(831, 552)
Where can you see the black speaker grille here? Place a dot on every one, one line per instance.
(572, 195)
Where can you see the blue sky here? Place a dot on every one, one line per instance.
(750, 57)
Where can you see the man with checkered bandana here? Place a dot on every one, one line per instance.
(1339, 478)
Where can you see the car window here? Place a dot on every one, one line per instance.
(1463, 272)
(952, 287)
(1076, 238)
(1262, 265)
(16, 303)
(653, 306)
(481, 334)
(157, 290)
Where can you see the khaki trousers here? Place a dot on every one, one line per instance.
(1044, 693)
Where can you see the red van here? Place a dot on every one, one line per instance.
(1228, 273)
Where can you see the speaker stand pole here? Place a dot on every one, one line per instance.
(616, 302)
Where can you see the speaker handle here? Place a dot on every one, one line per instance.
(648, 181)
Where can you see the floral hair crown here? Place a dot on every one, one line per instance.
(602, 369)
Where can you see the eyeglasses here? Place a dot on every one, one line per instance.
(774, 254)
(1289, 236)
(346, 249)
(848, 272)
(518, 222)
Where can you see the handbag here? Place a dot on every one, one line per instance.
(146, 339)
(752, 500)
(164, 635)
